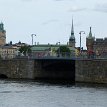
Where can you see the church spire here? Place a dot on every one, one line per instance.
(90, 33)
(72, 29)
(72, 37)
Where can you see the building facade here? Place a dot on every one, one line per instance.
(2, 35)
(96, 46)
(100, 47)
(50, 50)
(7, 52)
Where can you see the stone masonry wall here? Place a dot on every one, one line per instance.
(17, 68)
(94, 71)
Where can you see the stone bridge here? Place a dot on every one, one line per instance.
(38, 69)
(90, 70)
(55, 69)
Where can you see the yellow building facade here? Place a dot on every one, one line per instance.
(8, 52)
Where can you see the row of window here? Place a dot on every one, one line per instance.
(7, 51)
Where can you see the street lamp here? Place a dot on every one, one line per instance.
(80, 38)
(32, 37)
(59, 49)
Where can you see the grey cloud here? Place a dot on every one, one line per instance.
(76, 9)
(101, 8)
(63, 0)
(28, 0)
(49, 21)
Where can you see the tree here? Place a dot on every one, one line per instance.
(64, 51)
(25, 49)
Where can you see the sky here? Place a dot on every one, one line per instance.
(51, 20)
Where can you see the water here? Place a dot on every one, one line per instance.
(38, 94)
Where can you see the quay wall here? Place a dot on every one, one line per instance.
(92, 71)
(17, 68)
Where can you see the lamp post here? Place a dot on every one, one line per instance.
(59, 49)
(80, 38)
(32, 37)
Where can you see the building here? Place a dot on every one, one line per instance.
(2, 35)
(90, 41)
(7, 52)
(100, 47)
(10, 51)
(96, 46)
(42, 50)
(49, 50)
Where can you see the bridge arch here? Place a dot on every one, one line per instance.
(55, 69)
(3, 76)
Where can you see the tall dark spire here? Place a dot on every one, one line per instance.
(90, 33)
(72, 29)
(72, 37)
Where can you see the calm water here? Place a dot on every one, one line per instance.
(37, 94)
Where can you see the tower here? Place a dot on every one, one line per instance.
(2, 34)
(72, 37)
(90, 41)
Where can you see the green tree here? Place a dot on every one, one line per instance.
(64, 51)
(25, 49)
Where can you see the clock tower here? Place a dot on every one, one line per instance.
(2, 35)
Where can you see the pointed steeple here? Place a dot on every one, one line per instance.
(72, 29)
(90, 33)
(72, 37)
(90, 41)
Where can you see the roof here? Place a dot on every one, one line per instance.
(47, 47)
(7, 47)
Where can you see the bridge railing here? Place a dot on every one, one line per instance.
(56, 55)
(67, 55)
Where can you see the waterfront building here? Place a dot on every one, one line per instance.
(7, 52)
(2, 35)
(100, 47)
(10, 51)
(49, 50)
(96, 46)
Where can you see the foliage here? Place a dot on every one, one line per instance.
(0, 57)
(25, 49)
(64, 51)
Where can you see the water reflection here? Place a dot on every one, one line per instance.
(43, 94)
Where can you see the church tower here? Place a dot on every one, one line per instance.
(90, 41)
(2, 34)
(72, 37)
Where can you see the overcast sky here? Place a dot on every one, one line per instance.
(51, 20)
